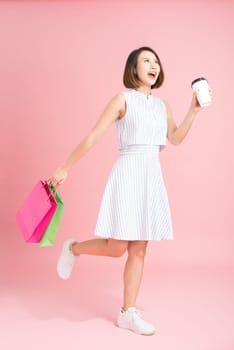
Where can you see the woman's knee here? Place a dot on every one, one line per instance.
(117, 247)
(137, 248)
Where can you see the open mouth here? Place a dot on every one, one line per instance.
(152, 75)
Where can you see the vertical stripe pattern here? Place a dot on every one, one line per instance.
(145, 121)
(134, 203)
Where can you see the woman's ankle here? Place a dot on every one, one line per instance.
(71, 248)
(125, 308)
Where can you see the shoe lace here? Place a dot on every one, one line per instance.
(137, 312)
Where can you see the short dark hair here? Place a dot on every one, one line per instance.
(130, 79)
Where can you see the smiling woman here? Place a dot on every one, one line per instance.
(60, 60)
(151, 62)
(134, 207)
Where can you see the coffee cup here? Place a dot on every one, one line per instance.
(201, 87)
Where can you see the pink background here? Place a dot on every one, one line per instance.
(61, 62)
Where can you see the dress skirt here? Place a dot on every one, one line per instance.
(134, 204)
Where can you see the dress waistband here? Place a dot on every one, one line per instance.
(140, 149)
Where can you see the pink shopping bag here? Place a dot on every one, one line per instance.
(35, 213)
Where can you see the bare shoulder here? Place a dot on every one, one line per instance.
(118, 99)
(119, 102)
(111, 113)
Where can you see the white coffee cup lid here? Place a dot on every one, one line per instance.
(196, 80)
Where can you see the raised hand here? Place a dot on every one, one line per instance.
(195, 106)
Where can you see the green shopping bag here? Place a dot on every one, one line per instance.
(50, 234)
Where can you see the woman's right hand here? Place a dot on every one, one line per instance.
(59, 176)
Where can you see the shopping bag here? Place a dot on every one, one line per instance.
(36, 212)
(50, 234)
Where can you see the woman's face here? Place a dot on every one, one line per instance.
(147, 69)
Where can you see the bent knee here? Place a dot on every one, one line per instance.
(118, 253)
(117, 248)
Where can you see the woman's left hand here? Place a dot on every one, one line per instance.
(195, 106)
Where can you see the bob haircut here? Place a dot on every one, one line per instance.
(130, 78)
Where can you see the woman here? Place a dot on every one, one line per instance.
(134, 207)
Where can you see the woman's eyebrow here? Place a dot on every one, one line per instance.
(149, 58)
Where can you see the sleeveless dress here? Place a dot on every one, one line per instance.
(134, 204)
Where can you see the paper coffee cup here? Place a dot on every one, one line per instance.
(201, 87)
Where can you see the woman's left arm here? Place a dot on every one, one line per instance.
(176, 134)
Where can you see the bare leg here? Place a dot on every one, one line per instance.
(102, 247)
(129, 317)
(133, 272)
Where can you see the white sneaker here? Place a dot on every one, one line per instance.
(132, 319)
(66, 260)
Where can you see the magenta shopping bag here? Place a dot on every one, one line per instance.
(35, 213)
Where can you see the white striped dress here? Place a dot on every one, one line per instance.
(134, 203)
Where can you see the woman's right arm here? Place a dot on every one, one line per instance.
(115, 109)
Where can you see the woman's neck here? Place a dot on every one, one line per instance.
(145, 90)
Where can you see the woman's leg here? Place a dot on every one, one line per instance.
(133, 272)
(115, 248)
(71, 249)
(103, 247)
(129, 317)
